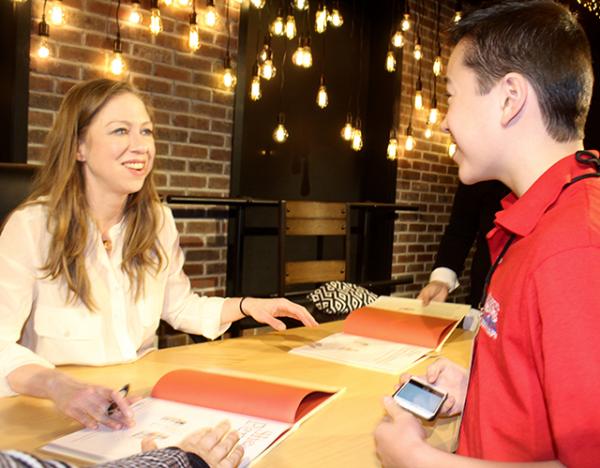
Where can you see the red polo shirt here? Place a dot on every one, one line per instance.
(534, 392)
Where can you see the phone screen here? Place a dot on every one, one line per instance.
(420, 398)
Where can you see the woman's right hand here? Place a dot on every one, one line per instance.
(434, 291)
(216, 446)
(88, 403)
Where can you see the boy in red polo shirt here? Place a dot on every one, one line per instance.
(520, 82)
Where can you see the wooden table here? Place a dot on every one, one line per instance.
(340, 435)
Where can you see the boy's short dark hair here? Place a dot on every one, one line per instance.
(541, 40)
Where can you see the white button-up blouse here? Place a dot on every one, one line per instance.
(38, 326)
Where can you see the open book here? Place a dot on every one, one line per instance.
(390, 335)
(185, 401)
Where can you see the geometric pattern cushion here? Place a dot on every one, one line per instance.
(338, 297)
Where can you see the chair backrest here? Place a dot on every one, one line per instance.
(15, 185)
(319, 220)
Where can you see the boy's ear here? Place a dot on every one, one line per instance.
(514, 93)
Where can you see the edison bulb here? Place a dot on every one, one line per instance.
(267, 70)
(405, 25)
(433, 115)
(335, 18)
(301, 4)
(451, 149)
(277, 27)
(322, 97)
(428, 131)
(357, 142)
(117, 65)
(194, 38)
(392, 148)
(229, 78)
(280, 134)
(347, 131)
(390, 62)
(409, 144)
(210, 16)
(457, 16)
(43, 50)
(321, 20)
(418, 52)
(290, 27)
(155, 22)
(258, 3)
(57, 13)
(255, 92)
(437, 66)
(135, 15)
(398, 39)
(167, 3)
(418, 100)
(308, 59)
(183, 3)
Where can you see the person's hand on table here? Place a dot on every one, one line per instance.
(267, 310)
(451, 378)
(434, 291)
(88, 403)
(399, 436)
(216, 446)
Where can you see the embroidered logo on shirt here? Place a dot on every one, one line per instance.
(489, 316)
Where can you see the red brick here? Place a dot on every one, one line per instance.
(189, 151)
(218, 112)
(179, 74)
(40, 119)
(192, 92)
(188, 181)
(77, 54)
(40, 83)
(187, 121)
(153, 54)
(205, 138)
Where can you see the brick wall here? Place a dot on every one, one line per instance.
(427, 176)
(194, 113)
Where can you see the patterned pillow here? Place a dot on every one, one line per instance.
(337, 297)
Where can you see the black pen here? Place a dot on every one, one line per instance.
(124, 390)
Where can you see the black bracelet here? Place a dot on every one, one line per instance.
(242, 310)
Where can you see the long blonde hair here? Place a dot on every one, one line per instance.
(61, 185)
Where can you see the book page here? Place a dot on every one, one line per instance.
(168, 422)
(369, 353)
(444, 310)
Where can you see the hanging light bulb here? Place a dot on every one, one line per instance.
(167, 3)
(301, 4)
(335, 18)
(392, 147)
(155, 21)
(258, 4)
(267, 69)
(255, 92)
(437, 66)
(265, 52)
(308, 58)
(183, 3)
(418, 51)
(347, 129)
(419, 94)
(135, 15)
(428, 131)
(117, 64)
(452, 149)
(390, 61)
(298, 55)
(194, 34)
(210, 14)
(321, 18)
(409, 144)
(457, 13)
(398, 40)
(277, 26)
(357, 141)
(290, 27)
(405, 24)
(322, 97)
(280, 134)
(229, 78)
(433, 112)
(57, 13)
(44, 33)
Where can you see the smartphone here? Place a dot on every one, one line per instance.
(420, 398)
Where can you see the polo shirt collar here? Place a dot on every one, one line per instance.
(521, 215)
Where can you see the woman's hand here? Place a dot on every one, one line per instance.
(88, 404)
(216, 446)
(267, 311)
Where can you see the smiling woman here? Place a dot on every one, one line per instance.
(91, 261)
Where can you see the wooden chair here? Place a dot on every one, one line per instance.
(319, 221)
